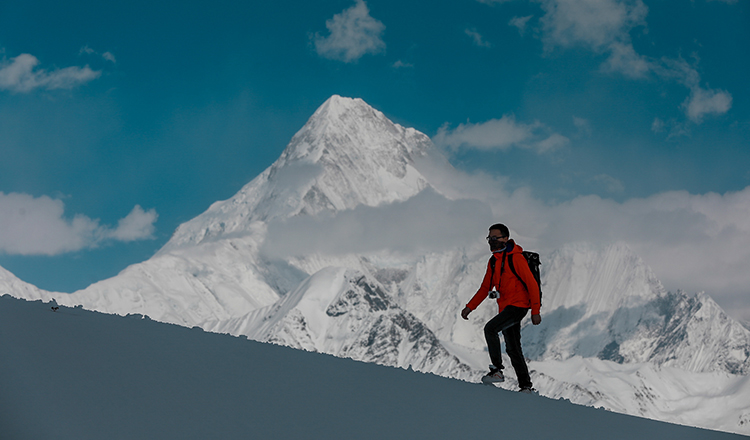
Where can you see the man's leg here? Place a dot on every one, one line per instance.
(505, 319)
(512, 337)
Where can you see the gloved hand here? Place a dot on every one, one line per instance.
(465, 313)
(536, 319)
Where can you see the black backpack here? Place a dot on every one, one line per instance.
(532, 258)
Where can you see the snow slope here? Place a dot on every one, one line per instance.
(79, 375)
(306, 255)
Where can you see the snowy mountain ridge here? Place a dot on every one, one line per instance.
(348, 163)
(348, 154)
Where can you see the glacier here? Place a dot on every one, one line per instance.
(331, 249)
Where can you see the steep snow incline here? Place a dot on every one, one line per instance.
(80, 375)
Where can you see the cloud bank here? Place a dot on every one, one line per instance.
(694, 242)
(353, 34)
(37, 226)
(22, 75)
(426, 222)
(500, 134)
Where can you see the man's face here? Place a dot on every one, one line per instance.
(496, 239)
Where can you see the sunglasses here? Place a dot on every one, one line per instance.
(491, 238)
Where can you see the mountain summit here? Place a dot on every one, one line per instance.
(347, 154)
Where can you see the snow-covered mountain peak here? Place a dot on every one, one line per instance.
(345, 126)
(347, 154)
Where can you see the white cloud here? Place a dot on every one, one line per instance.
(137, 225)
(38, 226)
(22, 75)
(595, 24)
(702, 102)
(86, 50)
(604, 26)
(520, 23)
(658, 126)
(353, 33)
(692, 242)
(500, 134)
(477, 38)
(624, 59)
(109, 57)
(426, 222)
(400, 64)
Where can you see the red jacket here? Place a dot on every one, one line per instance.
(512, 292)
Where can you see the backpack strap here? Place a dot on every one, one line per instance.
(502, 267)
(513, 269)
(492, 269)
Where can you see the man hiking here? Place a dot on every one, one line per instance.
(516, 291)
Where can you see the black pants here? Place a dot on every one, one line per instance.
(509, 322)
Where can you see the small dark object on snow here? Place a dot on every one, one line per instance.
(54, 309)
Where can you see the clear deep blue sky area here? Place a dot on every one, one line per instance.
(121, 120)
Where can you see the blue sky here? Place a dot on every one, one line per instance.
(121, 120)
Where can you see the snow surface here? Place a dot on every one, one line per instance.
(79, 375)
(306, 255)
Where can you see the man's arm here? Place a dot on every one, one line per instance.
(481, 294)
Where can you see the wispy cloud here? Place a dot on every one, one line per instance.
(701, 101)
(500, 134)
(353, 33)
(38, 226)
(520, 23)
(623, 59)
(604, 27)
(401, 65)
(609, 183)
(583, 125)
(22, 75)
(108, 56)
(477, 38)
